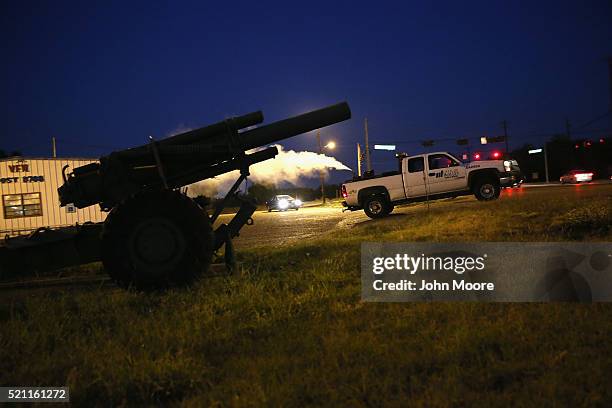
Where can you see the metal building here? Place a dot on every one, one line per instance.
(29, 199)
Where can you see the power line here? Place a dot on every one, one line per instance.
(477, 138)
(594, 120)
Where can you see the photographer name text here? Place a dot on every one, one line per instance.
(408, 285)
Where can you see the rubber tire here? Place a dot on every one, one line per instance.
(153, 224)
(383, 203)
(389, 209)
(494, 185)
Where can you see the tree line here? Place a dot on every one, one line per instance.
(565, 154)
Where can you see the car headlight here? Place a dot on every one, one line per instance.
(507, 165)
(283, 203)
(298, 202)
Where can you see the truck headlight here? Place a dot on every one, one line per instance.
(282, 204)
(507, 165)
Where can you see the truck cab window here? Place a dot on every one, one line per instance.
(441, 161)
(416, 164)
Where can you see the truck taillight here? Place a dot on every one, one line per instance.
(344, 194)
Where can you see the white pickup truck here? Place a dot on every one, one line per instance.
(427, 177)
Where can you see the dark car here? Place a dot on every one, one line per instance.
(576, 176)
(283, 203)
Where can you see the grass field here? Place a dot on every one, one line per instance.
(291, 329)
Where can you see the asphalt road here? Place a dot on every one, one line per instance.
(283, 228)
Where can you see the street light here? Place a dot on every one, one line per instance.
(330, 146)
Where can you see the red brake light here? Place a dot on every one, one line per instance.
(496, 155)
(477, 156)
(344, 194)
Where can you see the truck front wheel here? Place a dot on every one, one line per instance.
(486, 189)
(389, 209)
(377, 206)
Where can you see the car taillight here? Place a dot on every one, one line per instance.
(344, 194)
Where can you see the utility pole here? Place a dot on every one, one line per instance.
(358, 159)
(610, 83)
(546, 163)
(505, 126)
(610, 79)
(54, 149)
(367, 147)
(321, 175)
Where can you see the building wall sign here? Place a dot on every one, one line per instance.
(24, 179)
(19, 168)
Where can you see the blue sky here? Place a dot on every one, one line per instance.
(107, 76)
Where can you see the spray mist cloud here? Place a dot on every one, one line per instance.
(288, 166)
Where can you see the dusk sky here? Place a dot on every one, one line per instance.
(106, 77)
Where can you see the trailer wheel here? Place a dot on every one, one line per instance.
(157, 240)
(486, 189)
(377, 206)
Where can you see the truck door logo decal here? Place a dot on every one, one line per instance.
(451, 173)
